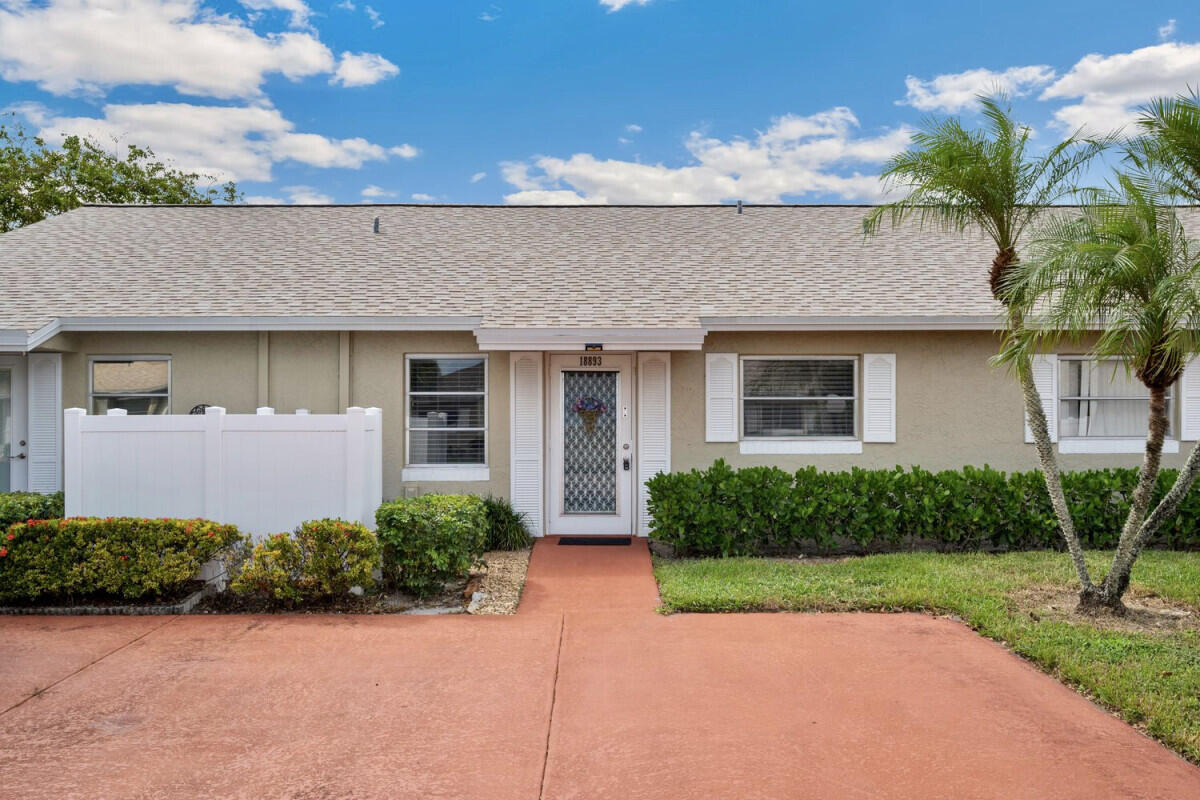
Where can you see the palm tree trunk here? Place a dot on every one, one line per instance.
(1050, 472)
(1117, 581)
(1169, 505)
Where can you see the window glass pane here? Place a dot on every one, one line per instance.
(446, 411)
(445, 447)
(1092, 400)
(132, 405)
(1079, 378)
(446, 375)
(1106, 418)
(798, 417)
(129, 377)
(792, 378)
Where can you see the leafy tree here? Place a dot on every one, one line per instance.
(960, 179)
(1125, 263)
(37, 181)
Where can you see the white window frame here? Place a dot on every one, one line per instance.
(1108, 444)
(93, 360)
(447, 472)
(799, 445)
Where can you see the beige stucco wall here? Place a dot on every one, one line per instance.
(213, 368)
(952, 407)
(302, 371)
(377, 379)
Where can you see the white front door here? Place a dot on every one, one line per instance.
(13, 461)
(591, 444)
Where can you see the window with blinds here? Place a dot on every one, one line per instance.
(797, 398)
(447, 410)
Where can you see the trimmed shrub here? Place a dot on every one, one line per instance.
(322, 558)
(22, 506)
(721, 511)
(430, 540)
(505, 525)
(84, 557)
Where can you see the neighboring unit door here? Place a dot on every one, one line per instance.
(13, 461)
(591, 444)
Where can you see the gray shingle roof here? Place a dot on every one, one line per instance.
(513, 267)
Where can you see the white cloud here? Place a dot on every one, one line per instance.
(345, 5)
(633, 128)
(1111, 87)
(421, 197)
(97, 44)
(955, 91)
(794, 157)
(262, 200)
(478, 176)
(373, 15)
(374, 192)
(306, 196)
(491, 14)
(404, 151)
(297, 10)
(1166, 30)
(230, 143)
(363, 69)
(624, 140)
(617, 5)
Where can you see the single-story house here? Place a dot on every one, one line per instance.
(558, 356)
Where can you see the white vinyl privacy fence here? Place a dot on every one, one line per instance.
(263, 472)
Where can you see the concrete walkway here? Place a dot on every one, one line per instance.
(585, 694)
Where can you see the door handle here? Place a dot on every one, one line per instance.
(21, 457)
(625, 463)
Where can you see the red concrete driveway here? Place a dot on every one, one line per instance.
(556, 702)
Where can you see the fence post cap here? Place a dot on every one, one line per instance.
(302, 412)
(374, 411)
(76, 412)
(356, 410)
(214, 410)
(116, 412)
(264, 411)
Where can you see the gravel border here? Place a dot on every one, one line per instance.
(502, 581)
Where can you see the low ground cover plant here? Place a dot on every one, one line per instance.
(22, 506)
(320, 559)
(431, 540)
(505, 525)
(118, 557)
(1148, 674)
(721, 511)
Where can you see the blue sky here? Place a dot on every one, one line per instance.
(569, 100)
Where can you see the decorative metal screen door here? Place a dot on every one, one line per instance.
(591, 442)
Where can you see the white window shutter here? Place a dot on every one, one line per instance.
(720, 397)
(879, 397)
(654, 426)
(1189, 401)
(1045, 378)
(45, 422)
(526, 425)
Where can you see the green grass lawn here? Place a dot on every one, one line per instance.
(1151, 676)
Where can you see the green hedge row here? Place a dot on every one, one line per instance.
(721, 511)
(119, 557)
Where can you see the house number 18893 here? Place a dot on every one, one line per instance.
(591, 361)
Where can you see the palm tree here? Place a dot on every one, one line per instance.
(1122, 270)
(961, 180)
(1169, 147)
